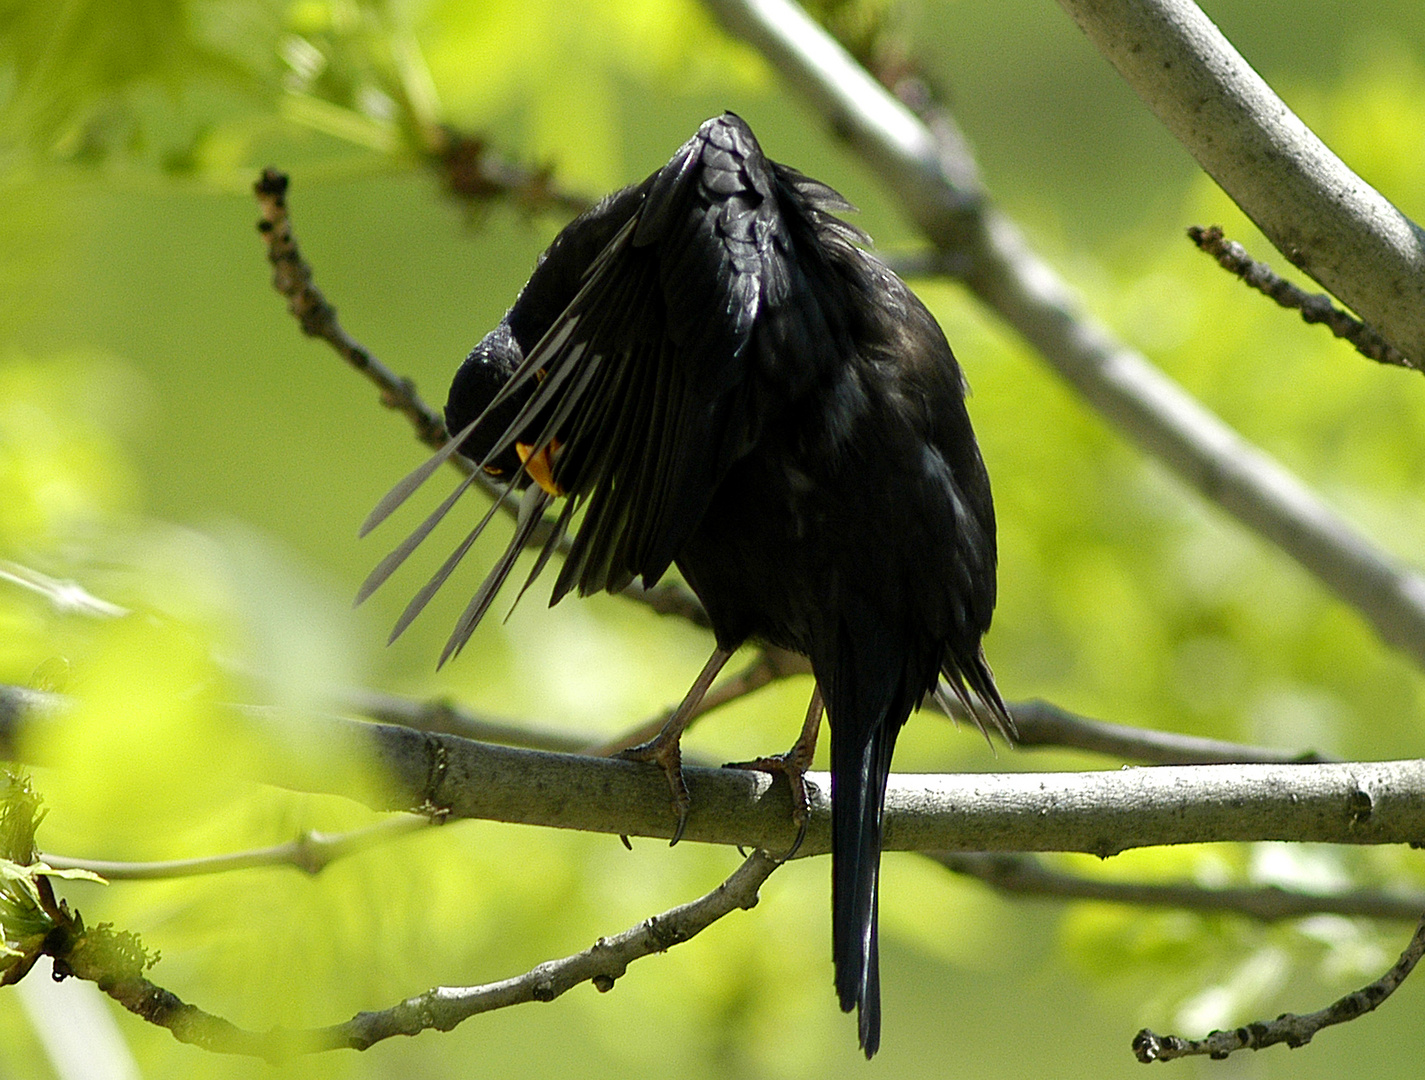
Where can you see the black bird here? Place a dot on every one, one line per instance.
(712, 368)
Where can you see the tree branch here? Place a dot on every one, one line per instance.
(1288, 1028)
(1004, 272)
(476, 175)
(1024, 875)
(311, 852)
(444, 717)
(768, 666)
(292, 277)
(389, 767)
(90, 955)
(1322, 216)
(65, 597)
(1043, 724)
(1314, 307)
(392, 768)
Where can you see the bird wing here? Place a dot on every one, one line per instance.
(652, 364)
(691, 328)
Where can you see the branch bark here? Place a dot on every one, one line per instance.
(394, 768)
(1318, 213)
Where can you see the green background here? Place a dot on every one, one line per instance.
(169, 439)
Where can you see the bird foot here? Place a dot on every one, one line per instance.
(668, 754)
(793, 765)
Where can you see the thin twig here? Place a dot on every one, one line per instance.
(670, 598)
(440, 1008)
(1043, 724)
(1288, 1028)
(1024, 875)
(66, 597)
(1040, 724)
(602, 964)
(310, 852)
(1314, 307)
(476, 174)
(292, 277)
(443, 717)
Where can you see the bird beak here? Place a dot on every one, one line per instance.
(540, 466)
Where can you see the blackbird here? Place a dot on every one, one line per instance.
(712, 369)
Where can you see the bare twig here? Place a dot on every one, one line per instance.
(444, 717)
(440, 1008)
(1314, 307)
(1044, 724)
(670, 598)
(1288, 1028)
(311, 852)
(66, 597)
(1323, 217)
(602, 964)
(475, 173)
(1024, 875)
(1008, 276)
(292, 277)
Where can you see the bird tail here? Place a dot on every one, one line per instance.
(868, 695)
(859, 768)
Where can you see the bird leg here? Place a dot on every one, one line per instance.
(794, 765)
(664, 747)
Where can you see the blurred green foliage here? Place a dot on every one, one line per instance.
(169, 440)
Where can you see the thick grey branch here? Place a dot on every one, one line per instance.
(1318, 213)
(393, 768)
(389, 767)
(1129, 391)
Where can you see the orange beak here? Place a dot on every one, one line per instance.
(540, 466)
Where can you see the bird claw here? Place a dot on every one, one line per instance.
(667, 754)
(793, 765)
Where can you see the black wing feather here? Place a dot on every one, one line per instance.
(656, 338)
(671, 307)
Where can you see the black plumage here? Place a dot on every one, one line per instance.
(712, 368)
